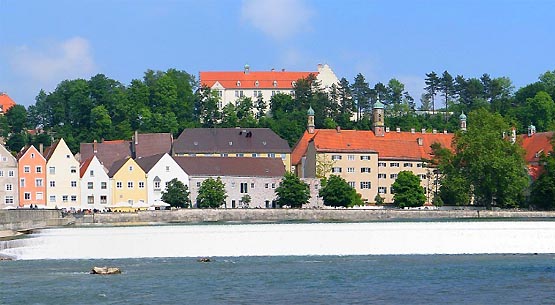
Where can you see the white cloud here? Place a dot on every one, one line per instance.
(64, 60)
(280, 19)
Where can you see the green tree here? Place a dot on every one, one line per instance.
(16, 118)
(292, 191)
(542, 193)
(360, 91)
(338, 193)
(493, 165)
(432, 82)
(211, 193)
(408, 192)
(176, 194)
(246, 200)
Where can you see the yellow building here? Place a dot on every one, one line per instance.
(128, 182)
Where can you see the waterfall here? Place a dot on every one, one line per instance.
(380, 238)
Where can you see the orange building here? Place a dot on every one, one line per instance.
(5, 103)
(32, 177)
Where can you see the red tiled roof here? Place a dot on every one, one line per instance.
(535, 144)
(393, 145)
(107, 152)
(6, 102)
(84, 166)
(149, 144)
(248, 80)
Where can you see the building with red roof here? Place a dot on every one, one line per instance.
(232, 85)
(536, 145)
(6, 103)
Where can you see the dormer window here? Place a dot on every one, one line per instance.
(293, 83)
(256, 83)
(238, 83)
(275, 83)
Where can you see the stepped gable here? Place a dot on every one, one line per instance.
(148, 144)
(535, 144)
(147, 163)
(393, 145)
(229, 140)
(225, 166)
(229, 79)
(6, 102)
(107, 152)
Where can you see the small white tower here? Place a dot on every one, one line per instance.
(462, 121)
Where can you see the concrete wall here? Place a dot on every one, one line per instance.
(23, 219)
(271, 215)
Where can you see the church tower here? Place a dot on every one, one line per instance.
(310, 115)
(378, 125)
(462, 121)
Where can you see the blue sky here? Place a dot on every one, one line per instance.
(45, 42)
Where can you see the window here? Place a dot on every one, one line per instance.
(198, 184)
(273, 185)
(142, 184)
(130, 201)
(292, 92)
(350, 157)
(103, 199)
(8, 199)
(52, 198)
(422, 176)
(67, 156)
(129, 184)
(352, 184)
(274, 83)
(73, 170)
(240, 155)
(271, 155)
(257, 83)
(26, 169)
(10, 173)
(73, 183)
(52, 183)
(392, 190)
(32, 156)
(9, 187)
(73, 198)
(90, 199)
(394, 164)
(238, 93)
(22, 182)
(382, 176)
(223, 155)
(38, 182)
(266, 185)
(1, 173)
(131, 168)
(165, 184)
(103, 185)
(382, 190)
(335, 157)
(39, 195)
(238, 83)
(156, 185)
(252, 185)
(65, 198)
(336, 169)
(90, 185)
(393, 176)
(382, 164)
(419, 165)
(52, 170)
(38, 169)
(365, 170)
(167, 169)
(91, 173)
(365, 184)
(283, 156)
(119, 184)
(244, 188)
(365, 157)
(407, 164)
(350, 169)
(254, 155)
(233, 184)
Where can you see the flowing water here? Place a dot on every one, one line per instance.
(324, 263)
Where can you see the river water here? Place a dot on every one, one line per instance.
(324, 263)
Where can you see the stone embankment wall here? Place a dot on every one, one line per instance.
(24, 219)
(273, 215)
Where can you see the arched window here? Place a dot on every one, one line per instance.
(238, 83)
(256, 83)
(275, 83)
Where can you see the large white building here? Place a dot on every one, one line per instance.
(232, 85)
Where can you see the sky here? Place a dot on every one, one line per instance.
(45, 42)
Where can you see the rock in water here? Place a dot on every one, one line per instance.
(204, 260)
(105, 270)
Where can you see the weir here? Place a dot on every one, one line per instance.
(381, 238)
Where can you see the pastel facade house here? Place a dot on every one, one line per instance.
(32, 177)
(233, 85)
(96, 190)
(256, 177)
(128, 179)
(8, 178)
(233, 142)
(369, 161)
(62, 177)
(160, 170)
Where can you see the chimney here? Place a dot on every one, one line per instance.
(95, 147)
(282, 70)
(338, 129)
(444, 131)
(398, 129)
(41, 148)
(273, 70)
(423, 130)
(434, 131)
(412, 130)
(387, 129)
(136, 137)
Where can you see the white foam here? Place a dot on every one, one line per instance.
(289, 239)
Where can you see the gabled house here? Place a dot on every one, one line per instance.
(160, 170)
(95, 185)
(233, 142)
(8, 178)
(128, 182)
(62, 176)
(255, 177)
(107, 152)
(32, 177)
